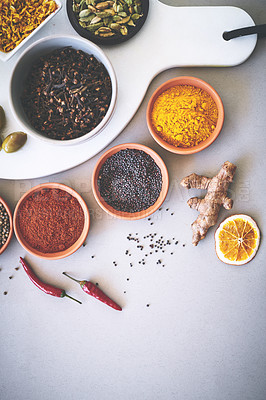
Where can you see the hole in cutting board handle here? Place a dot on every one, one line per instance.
(260, 30)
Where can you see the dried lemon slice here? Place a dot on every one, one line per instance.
(237, 240)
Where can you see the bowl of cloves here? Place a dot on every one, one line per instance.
(6, 225)
(63, 90)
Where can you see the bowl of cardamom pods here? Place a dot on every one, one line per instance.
(6, 225)
(107, 22)
(185, 115)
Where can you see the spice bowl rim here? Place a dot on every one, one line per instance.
(127, 215)
(108, 40)
(61, 254)
(11, 225)
(44, 46)
(199, 83)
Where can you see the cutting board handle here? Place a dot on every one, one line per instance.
(260, 30)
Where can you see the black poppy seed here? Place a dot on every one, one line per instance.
(160, 209)
(172, 254)
(97, 284)
(127, 279)
(147, 305)
(92, 256)
(151, 223)
(11, 277)
(124, 291)
(183, 245)
(5, 293)
(149, 219)
(172, 213)
(167, 209)
(150, 252)
(176, 242)
(156, 251)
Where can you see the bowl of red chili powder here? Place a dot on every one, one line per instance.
(130, 181)
(51, 221)
(185, 115)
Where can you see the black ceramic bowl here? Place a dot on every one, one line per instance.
(116, 39)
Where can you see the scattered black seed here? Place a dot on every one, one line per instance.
(163, 265)
(183, 245)
(150, 252)
(172, 254)
(124, 291)
(127, 279)
(84, 244)
(172, 213)
(0, 269)
(131, 265)
(167, 209)
(176, 242)
(17, 268)
(92, 256)
(156, 251)
(160, 208)
(11, 277)
(5, 293)
(149, 219)
(97, 284)
(147, 305)
(151, 223)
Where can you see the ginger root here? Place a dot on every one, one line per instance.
(210, 205)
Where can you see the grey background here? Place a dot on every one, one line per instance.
(203, 336)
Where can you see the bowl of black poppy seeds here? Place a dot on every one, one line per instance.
(63, 90)
(6, 225)
(130, 181)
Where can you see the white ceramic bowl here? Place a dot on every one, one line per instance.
(23, 66)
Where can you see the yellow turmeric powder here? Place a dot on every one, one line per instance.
(18, 18)
(184, 115)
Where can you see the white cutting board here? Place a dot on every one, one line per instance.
(170, 37)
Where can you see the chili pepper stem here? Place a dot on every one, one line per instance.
(73, 279)
(72, 298)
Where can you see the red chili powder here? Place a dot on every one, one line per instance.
(50, 220)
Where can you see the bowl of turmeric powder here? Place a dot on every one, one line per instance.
(185, 115)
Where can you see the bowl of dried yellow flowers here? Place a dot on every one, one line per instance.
(185, 115)
(20, 20)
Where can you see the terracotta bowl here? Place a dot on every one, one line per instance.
(3, 248)
(59, 254)
(127, 215)
(186, 80)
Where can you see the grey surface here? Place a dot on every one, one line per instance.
(203, 335)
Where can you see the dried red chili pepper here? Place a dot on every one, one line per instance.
(94, 291)
(48, 289)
